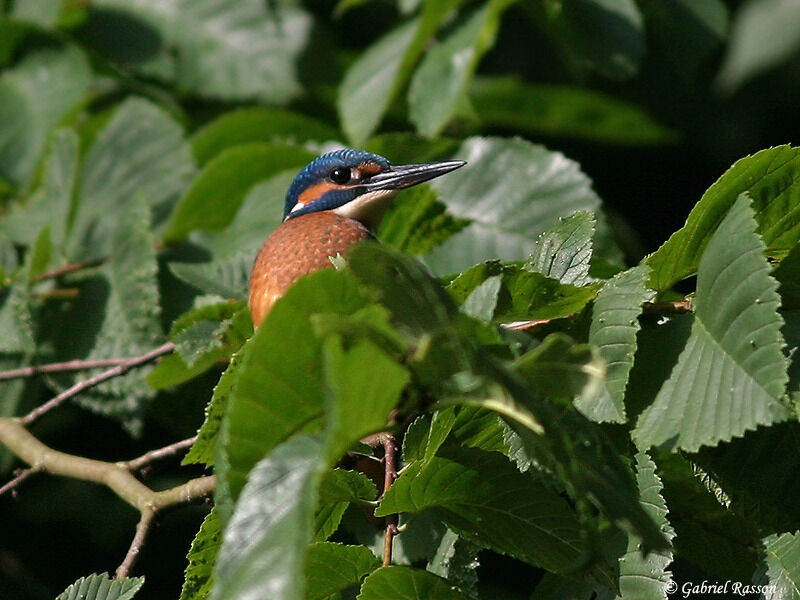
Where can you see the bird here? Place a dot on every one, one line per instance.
(335, 201)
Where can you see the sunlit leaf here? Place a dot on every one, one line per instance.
(102, 587)
(779, 573)
(331, 568)
(264, 543)
(140, 152)
(563, 251)
(645, 577)
(403, 583)
(615, 323)
(198, 579)
(731, 374)
(34, 96)
(512, 191)
(219, 49)
(771, 177)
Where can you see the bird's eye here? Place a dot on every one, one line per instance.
(340, 175)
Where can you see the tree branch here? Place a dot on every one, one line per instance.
(79, 387)
(115, 476)
(154, 455)
(70, 365)
(389, 475)
(21, 476)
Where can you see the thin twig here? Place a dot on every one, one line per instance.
(59, 367)
(154, 455)
(142, 528)
(21, 476)
(70, 268)
(389, 475)
(79, 387)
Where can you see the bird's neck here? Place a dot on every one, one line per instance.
(368, 208)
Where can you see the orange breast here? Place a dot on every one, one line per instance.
(298, 247)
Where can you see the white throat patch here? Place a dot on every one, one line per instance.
(368, 208)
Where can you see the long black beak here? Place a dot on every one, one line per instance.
(403, 176)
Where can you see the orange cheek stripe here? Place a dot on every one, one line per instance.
(369, 168)
(315, 191)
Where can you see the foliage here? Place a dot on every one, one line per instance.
(567, 427)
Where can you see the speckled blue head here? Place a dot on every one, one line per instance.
(332, 194)
(349, 181)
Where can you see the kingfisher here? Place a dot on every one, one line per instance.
(334, 202)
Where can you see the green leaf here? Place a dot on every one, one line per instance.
(218, 191)
(125, 299)
(42, 12)
(440, 83)
(731, 374)
(523, 294)
(199, 578)
(456, 560)
(204, 450)
(562, 111)
(512, 191)
(405, 583)
(40, 254)
(218, 49)
(771, 177)
(708, 533)
(16, 317)
(49, 204)
(259, 215)
(264, 543)
(563, 251)
(257, 124)
(482, 301)
(102, 587)
(381, 71)
(690, 33)
(140, 152)
(339, 489)
(418, 222)
(560, 368)
(483, 498)
(780, 569)
(645, 577)
(426, 434)
(615, 323)
(602, 35)
(758, 487)
(35, 95)
(788, 273)
(211, 332)
(332, 568)
(228, 278)
(755, 21)
(362, 401)
(256, 422)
